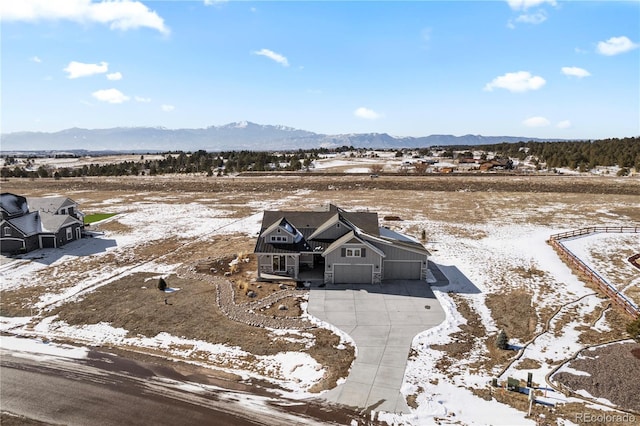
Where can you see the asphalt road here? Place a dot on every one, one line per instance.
(109, 390)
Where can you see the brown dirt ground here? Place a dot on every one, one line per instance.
(602, 364)
(135, 304)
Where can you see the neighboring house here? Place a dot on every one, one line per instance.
(54, 221)
(336, 246)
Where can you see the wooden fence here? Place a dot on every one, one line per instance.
(575, 263)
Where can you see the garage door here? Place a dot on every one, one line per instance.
(48, 242)
(11, 246)
(353, 274)
(394, 270)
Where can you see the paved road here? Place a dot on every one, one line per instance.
(383, 320)
(111, 390)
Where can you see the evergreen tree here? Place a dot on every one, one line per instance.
(162, 284)
(502, 341)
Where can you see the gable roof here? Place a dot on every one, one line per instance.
(282, 223)
(351, 235)
(396, 239)
(367, 221)
(28, 224)
(326, 225)
(50, 204)
(55, 222)
(13, 205)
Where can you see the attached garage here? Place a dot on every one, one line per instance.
(48, 241)
(401, 270)
(353, 274)
(11, 245)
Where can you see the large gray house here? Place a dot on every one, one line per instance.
(336, 245)
(34, 223)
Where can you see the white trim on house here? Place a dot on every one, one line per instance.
(55, 241)
(348, 237)
(333, 273)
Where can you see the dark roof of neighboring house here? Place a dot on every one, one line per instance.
(29, 224)
(13, 205)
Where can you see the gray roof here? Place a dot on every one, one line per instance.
(49, 204)
(29, 224)
(307, 222)
(13, 205)
(54, 222)
(366, 221)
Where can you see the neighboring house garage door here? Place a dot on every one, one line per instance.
(353, 274)
(11, 246)
(395, 270)
(48, 241)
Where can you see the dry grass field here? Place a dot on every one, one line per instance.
(467, 219)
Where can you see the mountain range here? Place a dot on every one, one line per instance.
(234, 136)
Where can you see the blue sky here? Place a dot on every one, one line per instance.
(536, 68)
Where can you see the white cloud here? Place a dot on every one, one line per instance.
(214, 2)
(366, 113)
(112, 96)
(526, 4)
(616, 45)
(79, 69)
(141, 99)
(35, 59)
(114, 76)
(273, 56)
(536, 122)
(521, 81)
(167, 108)
(533, 18)
(565, 124)
(121, 15)
(575, 72)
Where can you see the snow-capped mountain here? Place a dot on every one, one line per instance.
(243, 135)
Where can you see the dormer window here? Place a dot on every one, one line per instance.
(278, 239)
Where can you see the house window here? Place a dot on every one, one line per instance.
(7, 231)
(278, 239)
(69, 233)
(353, 252)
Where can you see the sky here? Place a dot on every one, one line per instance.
(534, 68)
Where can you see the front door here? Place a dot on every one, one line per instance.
(279, 264)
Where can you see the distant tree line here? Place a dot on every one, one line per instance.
(583, 155)
(175, 162)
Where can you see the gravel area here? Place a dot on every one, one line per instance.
(619, 360)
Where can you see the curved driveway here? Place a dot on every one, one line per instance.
(383, 320)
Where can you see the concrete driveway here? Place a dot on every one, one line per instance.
(383, 320)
